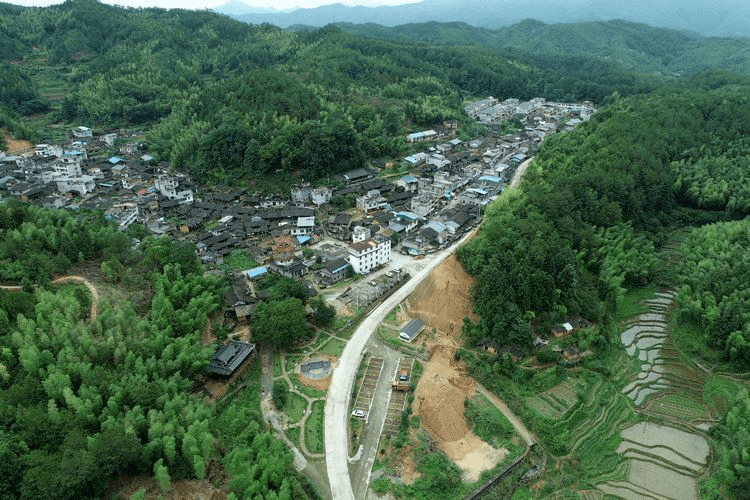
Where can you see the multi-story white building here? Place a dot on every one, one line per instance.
(82, 132)
(301, 194)
(423, 205)
(68, 177)
(167, 186)
(370, 202)
(364, 256)
(304, 226)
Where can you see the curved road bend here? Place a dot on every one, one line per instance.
(339, 392)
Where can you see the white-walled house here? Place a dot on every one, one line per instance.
(364, 256)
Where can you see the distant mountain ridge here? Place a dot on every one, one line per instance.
(706, 17)
(234, 8)
(634, 47)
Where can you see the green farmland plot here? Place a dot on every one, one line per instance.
(555, 402)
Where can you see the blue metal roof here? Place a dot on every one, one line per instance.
(406, 215)
(341, 268)
(256, 272)
(303, 239)
(491, 178)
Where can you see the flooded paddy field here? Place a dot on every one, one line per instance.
(662, 460)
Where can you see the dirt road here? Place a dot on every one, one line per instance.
(521, 429)
(69, 279)
(339, 393)
(89, 285)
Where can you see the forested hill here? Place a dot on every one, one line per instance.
(635, 47)
(596, 202)
(233, 101)
(726, 18)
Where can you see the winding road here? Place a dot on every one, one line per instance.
(342, 381)
(89, 285)
(339, 392)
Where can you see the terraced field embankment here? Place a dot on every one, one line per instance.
(661, 460)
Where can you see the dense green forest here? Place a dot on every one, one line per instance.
(632, 47)
(715, 275)
(594, 204)
(84, 400)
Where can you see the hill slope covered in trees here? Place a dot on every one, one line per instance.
(728, 18)
(150, 66)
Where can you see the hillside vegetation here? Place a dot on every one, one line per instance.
(84, 400)
(234, 101)
(593, 205)
(634, 47)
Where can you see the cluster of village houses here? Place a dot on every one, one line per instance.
(441, 197)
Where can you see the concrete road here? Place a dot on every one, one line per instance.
(339, 392)
(519, 173)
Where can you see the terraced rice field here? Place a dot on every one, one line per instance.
(555, 402)
(646, 338)
(661, 462)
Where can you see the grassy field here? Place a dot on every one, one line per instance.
(292, 434)
(276, 364)
(290, 361)
(314, 429)
(632, 301)
(488, 422)
(334, 347)
(320, 340)
(295, 407)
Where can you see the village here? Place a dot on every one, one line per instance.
(355, 222)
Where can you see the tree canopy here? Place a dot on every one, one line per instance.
(85, 400)
(593, 204)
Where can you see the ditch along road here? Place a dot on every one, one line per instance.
(336, 416)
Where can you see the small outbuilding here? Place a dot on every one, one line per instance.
(411, 330)
(257, 272)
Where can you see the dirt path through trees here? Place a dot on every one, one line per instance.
(68, 279)
(94, 293)
(521, 429)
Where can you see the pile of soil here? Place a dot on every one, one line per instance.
(443, 299)
(440, 397)
(439, 402)
(17, 146)
(343, 310)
